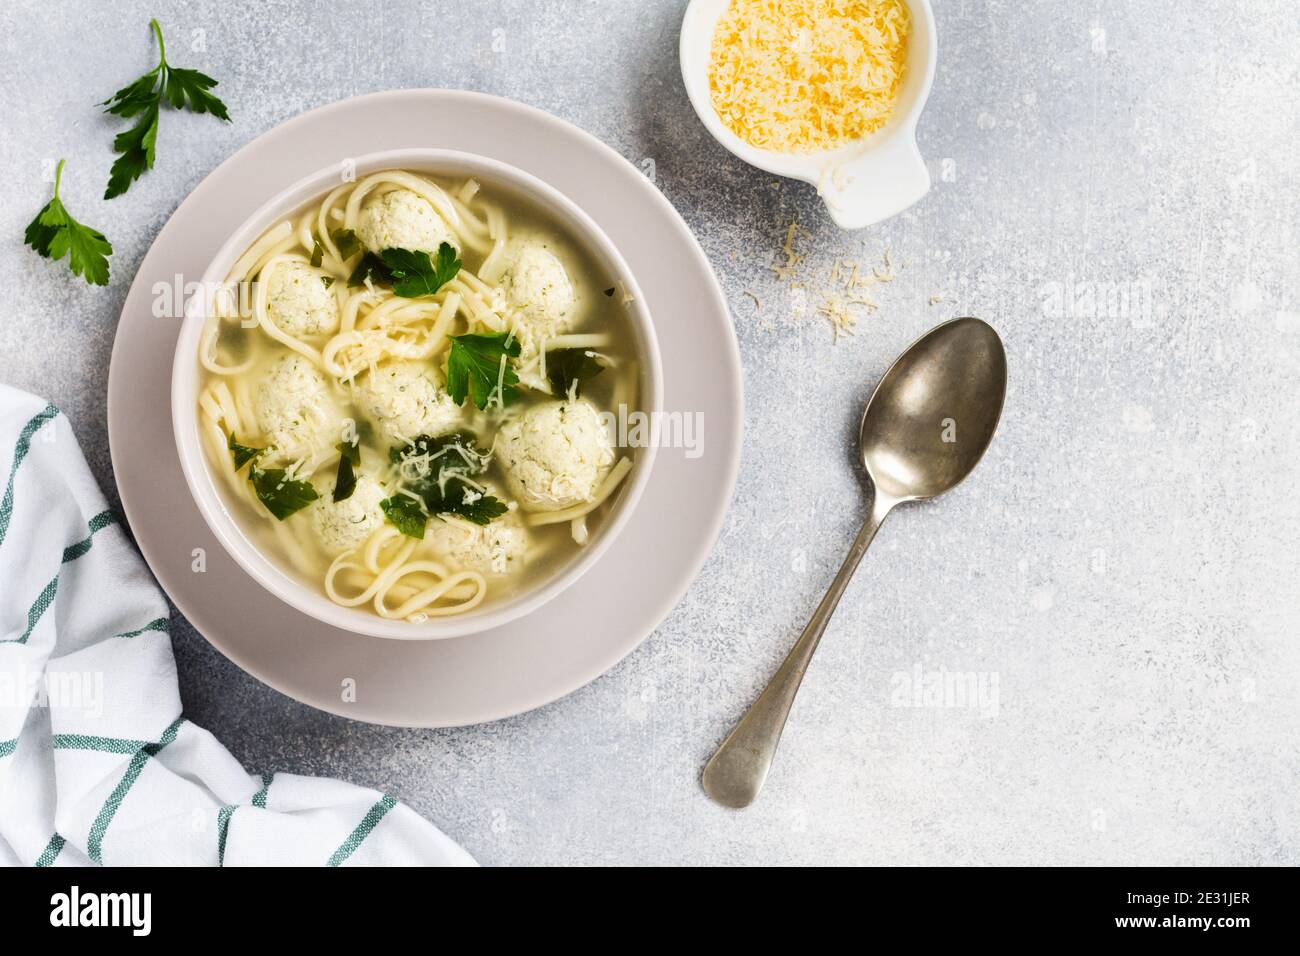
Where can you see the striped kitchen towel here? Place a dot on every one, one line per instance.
(97, 765)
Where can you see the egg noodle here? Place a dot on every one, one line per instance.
(458, 562)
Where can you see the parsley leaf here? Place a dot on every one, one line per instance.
(346, 480)
(459, 444)
(405, 514)
(347, 243)
(417, 274)
(54, 234)
(370, 267)
(439, 471)
(281, 494)
(411, 272)
(188, 89)
(242, 454)
(317, 254)
(137, 147)
(143, 98)
(475, 368)
(568, 367)
(480, 509)
(327, 281)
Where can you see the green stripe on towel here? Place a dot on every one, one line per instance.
(107, 745)
(97, 523)
(157, 624)
(70, 553)
(51, 851)
(223, 825)
(259, 798)
(20, 452)
(95, 842)
(8, 746)
(358, 836)
(41, 605)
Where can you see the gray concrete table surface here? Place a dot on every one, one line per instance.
(1116, 189)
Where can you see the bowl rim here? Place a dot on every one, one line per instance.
(202, 483)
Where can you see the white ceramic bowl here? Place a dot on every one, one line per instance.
(861, 183)
(212, 498)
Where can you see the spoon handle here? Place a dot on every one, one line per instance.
(735, 773)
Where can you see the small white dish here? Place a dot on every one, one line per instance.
(213, 497)
(862, 183)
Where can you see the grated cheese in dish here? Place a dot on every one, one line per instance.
(798, 76)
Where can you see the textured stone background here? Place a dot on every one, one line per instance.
(1123, 563)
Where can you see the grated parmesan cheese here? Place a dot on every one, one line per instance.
(842, 290)
(785, 271)
(798, 76)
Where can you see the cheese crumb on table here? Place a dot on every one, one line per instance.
(841, 290)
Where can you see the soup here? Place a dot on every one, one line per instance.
(408, 390)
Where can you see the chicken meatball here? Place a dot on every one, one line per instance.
(402, 219)
(535, 283)
(342, 525)
(555, 454)
(296, 410)
(406, 400)
(494, 548)
(299, 303)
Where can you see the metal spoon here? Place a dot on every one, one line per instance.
(925, 428)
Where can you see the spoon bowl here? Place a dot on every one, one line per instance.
(926, 426)
(931, 418)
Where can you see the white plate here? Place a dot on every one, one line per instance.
(561, 646)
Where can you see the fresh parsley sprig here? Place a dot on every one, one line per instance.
(54, 234)
(478, 366)
(416, 274)
(144, 98)
(411, 272)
